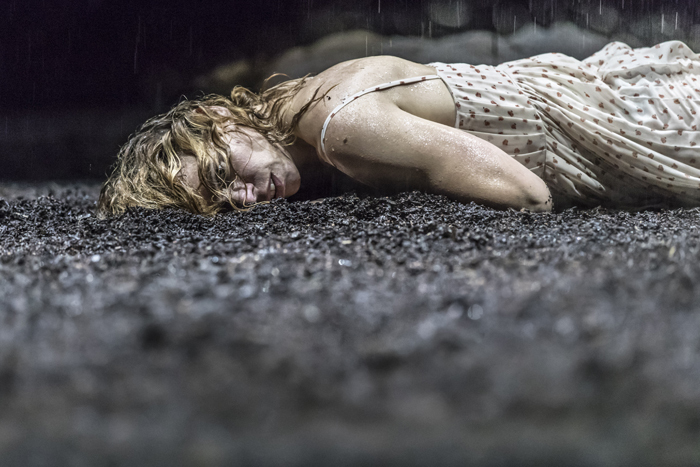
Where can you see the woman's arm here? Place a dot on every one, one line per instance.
(379, 144)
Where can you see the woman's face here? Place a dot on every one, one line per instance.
(265, 170)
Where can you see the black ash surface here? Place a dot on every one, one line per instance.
(407, 330)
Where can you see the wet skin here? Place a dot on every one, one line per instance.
(264, 170)
(402, 138)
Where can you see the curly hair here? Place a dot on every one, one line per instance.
(147, 172)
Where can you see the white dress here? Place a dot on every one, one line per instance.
(619, 128)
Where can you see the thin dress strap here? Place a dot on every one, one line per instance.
(349, 99)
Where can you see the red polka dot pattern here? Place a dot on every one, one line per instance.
(620, 127)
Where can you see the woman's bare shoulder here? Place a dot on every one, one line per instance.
(345, 79)
(370, 69)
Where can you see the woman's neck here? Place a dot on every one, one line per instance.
(292, 110)
(303, 154)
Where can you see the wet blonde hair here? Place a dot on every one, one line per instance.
(148, 168)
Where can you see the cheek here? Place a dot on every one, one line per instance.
(242, 156)
(243, 168)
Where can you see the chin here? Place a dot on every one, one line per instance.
(293, 189)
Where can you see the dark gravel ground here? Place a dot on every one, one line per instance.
(407, 330)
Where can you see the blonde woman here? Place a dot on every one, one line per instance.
(618, 129)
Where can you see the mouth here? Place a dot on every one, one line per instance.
(276, 187)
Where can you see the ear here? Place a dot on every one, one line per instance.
(217, 109)
(223, 111)
(189, 175)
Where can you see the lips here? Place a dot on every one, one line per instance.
(278, 190)
(250, 194)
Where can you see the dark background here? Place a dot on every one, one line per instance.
(77, 76)
(396, 331)
(69, 54)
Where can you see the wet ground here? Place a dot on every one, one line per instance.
(406, 330)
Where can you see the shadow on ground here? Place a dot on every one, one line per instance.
(407, 330)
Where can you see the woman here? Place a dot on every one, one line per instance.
(618, 129)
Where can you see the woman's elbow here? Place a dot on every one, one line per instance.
(537, 197)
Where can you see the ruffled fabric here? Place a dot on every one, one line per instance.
(619, 128)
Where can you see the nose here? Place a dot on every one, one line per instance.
(251, 195)
(243, 193)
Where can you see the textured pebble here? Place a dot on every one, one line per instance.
(348, 331)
